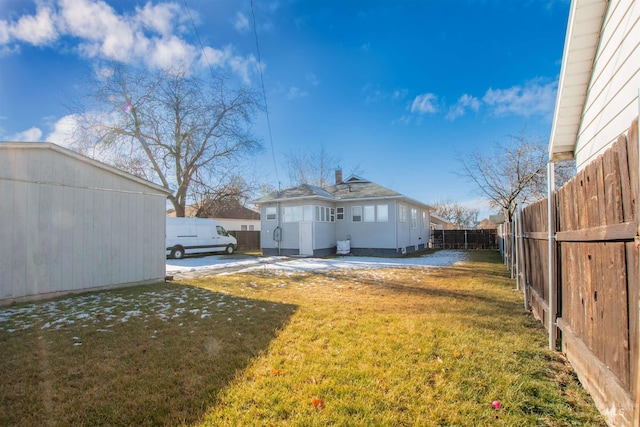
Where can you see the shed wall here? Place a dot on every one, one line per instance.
(67, 225)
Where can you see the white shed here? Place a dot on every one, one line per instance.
(70, 224)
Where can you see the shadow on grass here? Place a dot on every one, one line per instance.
(150, 355)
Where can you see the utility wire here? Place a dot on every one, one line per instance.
(195, 30)
(264, 93)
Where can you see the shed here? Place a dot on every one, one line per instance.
(71, 224)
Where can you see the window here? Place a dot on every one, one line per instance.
(402, 213)
(425, 223)
(414, 218)
(356, 213)
(383, 213)
(369, 213)
(324, 214)
(271, 213)
(339, 213)
(243, 228)
(221, 231)
(251, 228)
(297, 213)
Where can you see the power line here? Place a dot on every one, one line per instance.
(264, 93)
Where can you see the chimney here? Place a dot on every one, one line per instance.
(338, 175)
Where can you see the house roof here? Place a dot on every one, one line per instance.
(66, 152)
(353, 188)
(220, 210)
(581, 43)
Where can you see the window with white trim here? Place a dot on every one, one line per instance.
(340, 213)
(414, 218)
(324, 214)
(382, 212)
(297, 213)
(369, 213)
(356, 213)
(271, 213)
(402, 213)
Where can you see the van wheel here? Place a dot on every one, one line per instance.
(229, 250)
(177, 253)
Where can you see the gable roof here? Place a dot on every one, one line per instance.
(353, 188)
(581, 43)
(220, 210)
(82, 158)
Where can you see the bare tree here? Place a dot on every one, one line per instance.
(509, 175)
(171, 127)
(455, 213)
(315, 168)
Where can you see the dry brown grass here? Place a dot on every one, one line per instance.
(387, 347)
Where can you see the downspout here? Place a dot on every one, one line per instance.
(552, 278)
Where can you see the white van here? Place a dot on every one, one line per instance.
(197, 235)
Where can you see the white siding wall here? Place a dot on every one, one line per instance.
(612, 100)
(231, 224)
(67, 225)
(367, 234)
(267, 226)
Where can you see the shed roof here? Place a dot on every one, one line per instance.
(581, 43)
(66, 152)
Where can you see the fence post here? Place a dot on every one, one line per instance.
(552, 277)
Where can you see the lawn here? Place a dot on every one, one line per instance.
(370, 347)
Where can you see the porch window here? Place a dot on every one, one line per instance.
(369, 213)
(382, 212)
(356, 214)
(271, 213)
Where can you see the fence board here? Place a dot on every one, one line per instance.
(598, 274)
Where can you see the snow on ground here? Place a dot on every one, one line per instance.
(103, 310)
(437, 259)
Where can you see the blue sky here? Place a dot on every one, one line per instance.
(396, 89)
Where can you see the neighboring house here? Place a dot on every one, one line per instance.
(70, 224)
(232, 215)
(309, 220)
(599, 81)
(438, 223)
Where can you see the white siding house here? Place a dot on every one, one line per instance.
(309, 220)
(69, 224)
(599, 81)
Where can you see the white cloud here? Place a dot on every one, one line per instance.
(170, 52)
(152, 35)
(241, 22)
(424, 103)
(37, 30)
(466, 102)
(295, 92)
(533, 98)
(30, 135)
(63, 131)
(159, 18)
(313, 79)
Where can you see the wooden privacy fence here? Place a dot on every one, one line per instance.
(592, 300)
(465, 239)
(247, 240)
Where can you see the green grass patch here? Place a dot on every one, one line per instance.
(375, 347)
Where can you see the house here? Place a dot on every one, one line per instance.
(438, 223)
(310, 220)
(71, 224)
(597, 96)
(232, 215)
